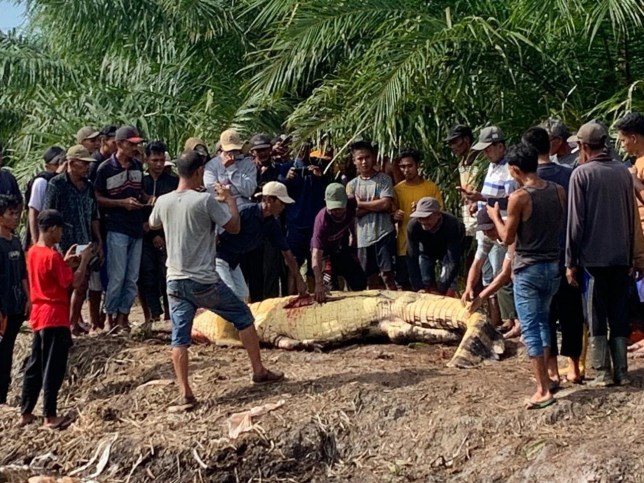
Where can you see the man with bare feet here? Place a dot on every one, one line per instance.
(50, 278)
(535, 215)
(190, 220)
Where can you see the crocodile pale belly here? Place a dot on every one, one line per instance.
(402, 317)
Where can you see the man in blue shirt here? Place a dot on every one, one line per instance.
(258, 222)
(306, 184)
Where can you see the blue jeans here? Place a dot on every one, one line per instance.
(534, 287)
(123, 263)
(186, 296)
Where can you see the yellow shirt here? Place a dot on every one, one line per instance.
(407, 194)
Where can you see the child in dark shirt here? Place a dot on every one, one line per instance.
(14, 304)
(50, 277)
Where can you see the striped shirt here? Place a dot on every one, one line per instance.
(498, 182)
(118, 183)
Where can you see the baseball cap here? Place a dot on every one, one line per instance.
(128, 133)
(54, 155)
(489, 135)
(109, 131)
(48, 218)
(260, 141)
(556, 129)
(483, 220)
(86, 132)
(591, 133)
(318, 154)
(425, 207)
(230, 140)
(80, 153)
(458, 131)
(193, 143)
(278, 190)
(335, 196)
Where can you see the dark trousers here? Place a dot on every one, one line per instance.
(262, 269)
(345, 264)
(152, 277)
(567, 308)
(6, 353)
(606, 301)
(46, 369)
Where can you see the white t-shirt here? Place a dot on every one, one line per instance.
(38, 190)
(190, 221)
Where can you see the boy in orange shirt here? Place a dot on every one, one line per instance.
(50, 278)
(408, 192)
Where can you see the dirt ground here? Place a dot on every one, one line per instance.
(364, 413)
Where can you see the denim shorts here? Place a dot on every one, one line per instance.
(186, 296)
(534, 287)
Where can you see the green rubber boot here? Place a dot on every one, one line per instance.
(619, 355)
(600, 360)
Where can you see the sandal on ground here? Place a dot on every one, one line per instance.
(268, 377)
(63, 423)
(539, 404)
(188, 404)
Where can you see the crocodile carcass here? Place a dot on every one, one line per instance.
(295, 323)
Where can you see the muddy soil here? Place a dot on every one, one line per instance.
(364, 413)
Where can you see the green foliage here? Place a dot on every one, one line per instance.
(399, 72)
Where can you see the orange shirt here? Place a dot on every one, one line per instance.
(49, 281)
(406, 195)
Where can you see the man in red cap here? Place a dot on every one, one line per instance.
(119, 192)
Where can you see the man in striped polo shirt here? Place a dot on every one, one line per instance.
(120, 194)
(497, 186)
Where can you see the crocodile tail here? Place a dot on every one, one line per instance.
(481, 342)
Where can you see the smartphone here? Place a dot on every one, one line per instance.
(81, 248)
(503, 203)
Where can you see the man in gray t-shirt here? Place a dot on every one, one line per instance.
(375, 232)
(190, 220)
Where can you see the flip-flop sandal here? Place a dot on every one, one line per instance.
(576, 380)
(64, 423)
(189, 403)
(268, 378)
(541, 404)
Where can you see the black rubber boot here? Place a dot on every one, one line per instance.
(619, 355)
(600, 360)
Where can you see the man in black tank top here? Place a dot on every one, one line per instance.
(535, 215)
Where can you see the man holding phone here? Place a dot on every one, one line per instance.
(497, 186)
(119, 191)
(231, 168)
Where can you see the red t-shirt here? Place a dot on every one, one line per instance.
(49, 281)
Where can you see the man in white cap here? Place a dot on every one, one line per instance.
(232, 169)
(258, 222)
(497, 186)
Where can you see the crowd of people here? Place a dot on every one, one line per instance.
(552, 239)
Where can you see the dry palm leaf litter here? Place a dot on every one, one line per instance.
(364, 412)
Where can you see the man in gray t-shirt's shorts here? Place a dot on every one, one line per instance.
(190, 219)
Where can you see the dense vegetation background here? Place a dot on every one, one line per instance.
(400, 72)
